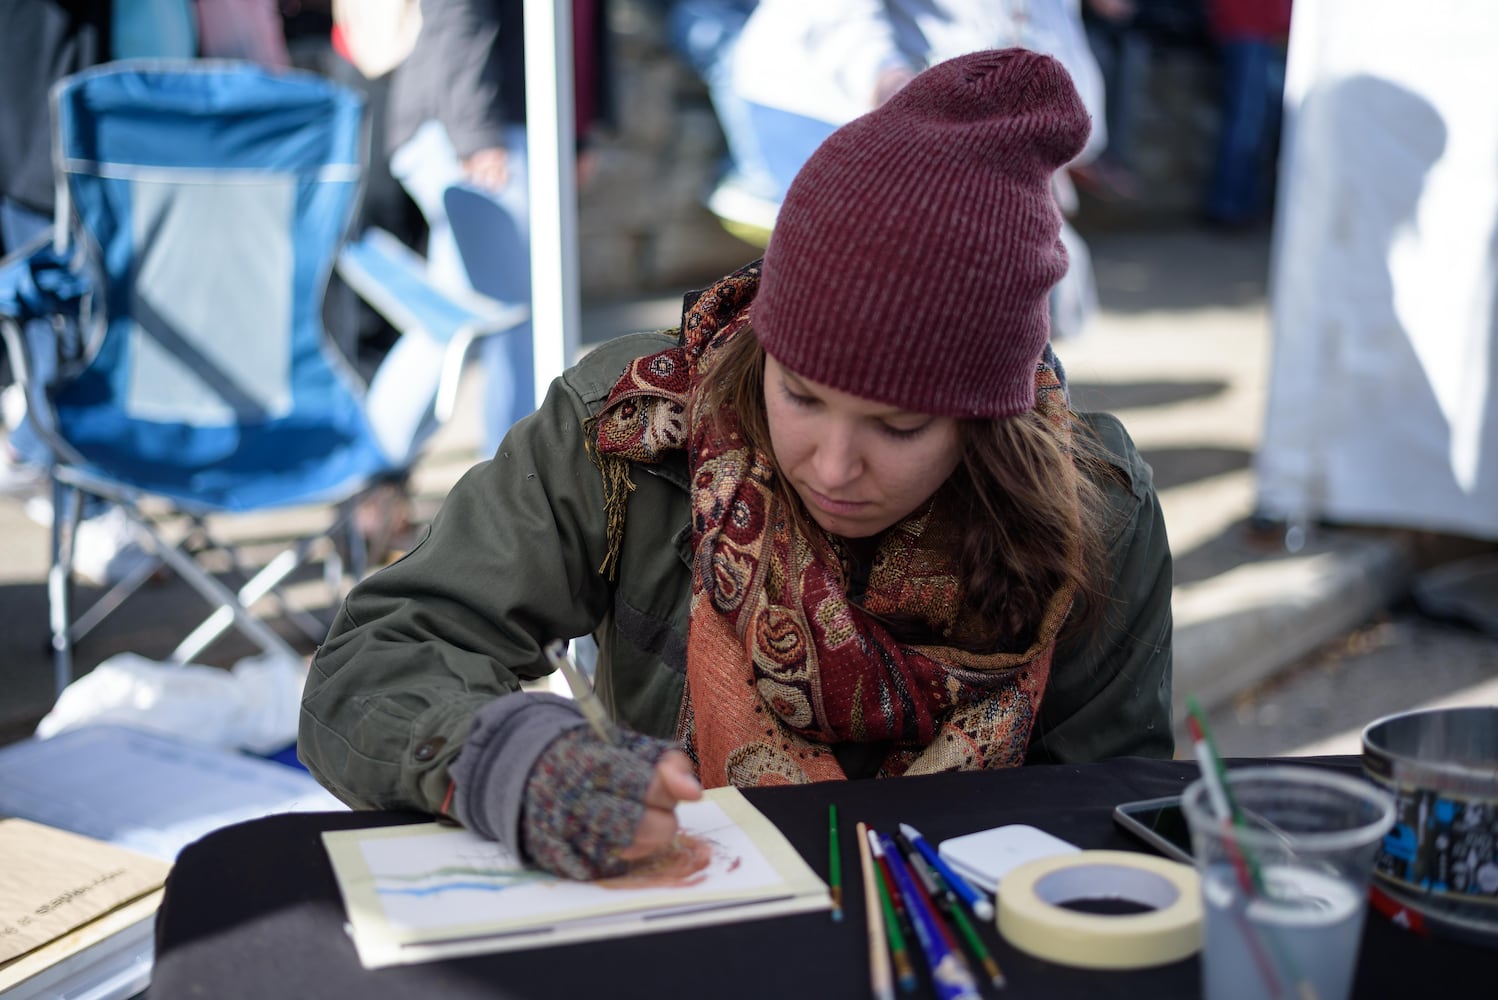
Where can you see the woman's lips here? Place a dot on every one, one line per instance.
(833, 506)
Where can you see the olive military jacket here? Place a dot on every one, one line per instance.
(512, 561)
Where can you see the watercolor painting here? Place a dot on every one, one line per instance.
(425, 890)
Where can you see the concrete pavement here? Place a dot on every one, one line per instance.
(1179, 352)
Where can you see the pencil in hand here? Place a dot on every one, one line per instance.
(582, 692)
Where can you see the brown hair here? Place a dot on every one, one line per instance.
(1031, 503)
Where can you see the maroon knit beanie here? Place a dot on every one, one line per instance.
(914, 254)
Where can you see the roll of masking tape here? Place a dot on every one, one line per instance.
(1033, 914)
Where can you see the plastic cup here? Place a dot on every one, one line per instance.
(1284, 895)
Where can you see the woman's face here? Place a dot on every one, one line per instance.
(857, 465)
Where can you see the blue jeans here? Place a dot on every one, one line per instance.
(1253, 78)
(426, 165)
(704, 32)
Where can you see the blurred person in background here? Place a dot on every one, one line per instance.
(795, 71)
(1251, 37)
(457, 116)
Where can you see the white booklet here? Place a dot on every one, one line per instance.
(428, 891)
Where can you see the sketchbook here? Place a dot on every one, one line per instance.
(427, 891)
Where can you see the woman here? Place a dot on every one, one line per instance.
(843, 524)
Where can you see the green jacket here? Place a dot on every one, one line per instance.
(511, 562)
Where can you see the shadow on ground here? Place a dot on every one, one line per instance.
(1111, 397)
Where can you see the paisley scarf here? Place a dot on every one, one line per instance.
(781, 663)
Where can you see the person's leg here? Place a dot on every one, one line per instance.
(1235, 196)
(426, 166)
(704, 33)
(1130, 76)
(508, 359)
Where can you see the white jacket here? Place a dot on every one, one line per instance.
(823, 58)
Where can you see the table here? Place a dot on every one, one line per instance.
(253, 910)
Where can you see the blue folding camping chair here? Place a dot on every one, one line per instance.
(169, 334)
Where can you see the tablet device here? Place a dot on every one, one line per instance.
(1159, 823)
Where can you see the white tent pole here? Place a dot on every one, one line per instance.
(550, 136)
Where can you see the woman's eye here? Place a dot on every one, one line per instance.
(904, 432)
(796, 398)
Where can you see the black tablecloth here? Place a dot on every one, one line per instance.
(253, 910)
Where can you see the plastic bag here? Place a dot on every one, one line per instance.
(252, 706)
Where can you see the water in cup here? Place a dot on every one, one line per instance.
(1294, 936)
(1285, 874)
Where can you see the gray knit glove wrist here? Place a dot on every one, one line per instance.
(584, 800)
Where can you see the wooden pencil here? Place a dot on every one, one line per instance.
(880, 973)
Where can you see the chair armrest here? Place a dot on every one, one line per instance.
(392, 279)
(43, 306)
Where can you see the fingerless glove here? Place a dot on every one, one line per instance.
(584, 800)
(534, 777)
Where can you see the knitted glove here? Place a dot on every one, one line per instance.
(584, 800)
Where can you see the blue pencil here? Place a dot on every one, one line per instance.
(950, 974)
(980, 906)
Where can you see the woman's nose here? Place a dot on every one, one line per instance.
(837, 459)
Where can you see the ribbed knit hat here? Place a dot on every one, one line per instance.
(914, 253)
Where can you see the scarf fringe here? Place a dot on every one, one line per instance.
(617, 486)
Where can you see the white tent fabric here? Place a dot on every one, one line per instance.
(1382, 406)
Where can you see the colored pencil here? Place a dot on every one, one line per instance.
(981, 907)
(952, 906)
(950, 973)
(924, 883)
(879, 960)
(923, 890)
(898, 952)
(582, 692)
(834, 863)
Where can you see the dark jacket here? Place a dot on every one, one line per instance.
(467, 71)
(41, 41)
(511, 561)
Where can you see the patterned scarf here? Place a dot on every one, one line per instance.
(780, 662)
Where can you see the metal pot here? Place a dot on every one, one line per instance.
(1441, 856)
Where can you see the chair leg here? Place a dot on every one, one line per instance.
(215, 593)
(233, 608)
(267, 580)
(111, 600)
(67, 504)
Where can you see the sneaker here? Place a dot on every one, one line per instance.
(105, 551)
(744, 213)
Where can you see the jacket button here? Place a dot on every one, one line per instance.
(427, 749)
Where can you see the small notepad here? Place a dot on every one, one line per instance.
(983, 858)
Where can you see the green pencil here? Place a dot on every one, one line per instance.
(955, 910)
(834, 864)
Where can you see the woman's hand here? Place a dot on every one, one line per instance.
(592, 808)
(672, 783)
